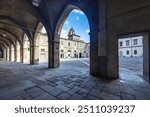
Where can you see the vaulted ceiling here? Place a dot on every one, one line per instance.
(16, 18)
(19, 17)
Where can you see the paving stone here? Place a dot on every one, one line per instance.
(19, 88)
(73, 90)
(76, 97)
(45, 96)
(127, 96)
(17, 98)
(56, 92)
(25, 95)
(63, 88)
(64, 96)
(108, 96)
(35, 91)
(46, 88)
(95, 92)
(128, 90)
(52, 84)
(84, 91)
(5, 93)
(91, 97)
(60, 82)
(112, 91)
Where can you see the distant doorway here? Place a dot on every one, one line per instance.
(80, 55)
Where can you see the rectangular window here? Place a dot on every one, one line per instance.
(127, 52)
(43, 50)
(121, 43)
(135, 41)
(68, 43)
(127, 43)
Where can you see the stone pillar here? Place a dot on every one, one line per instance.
(21, 53)
(36, 54)
(98, 44)
(102, 40)
(53, 53)
(36, 49)
(146, 48)
(31, 54)
(10, 53)
(94, 63)
(112, 56)
(26, 52)
(6, 54)
(18, 52)
(15, 52)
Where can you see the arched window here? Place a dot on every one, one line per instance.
(68, 43)
(135, 52)
(127, 52)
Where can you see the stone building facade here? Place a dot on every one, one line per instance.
(73, 47)
(43, 48)
(131, 46)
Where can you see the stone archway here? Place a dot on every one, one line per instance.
(12, 53)
(18, 52)
(40, 45)
(60, 24)
(8, 53)
(36, 43)
(26, 50)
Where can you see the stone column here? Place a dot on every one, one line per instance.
(98, 43)
(15, 52)
(146, 48)
(6, 54)
(31, 54)
(53, 51)
(21, 53)
(36, 54)
(112, 55)
(10, 53)
(94, 66)
(36, 49)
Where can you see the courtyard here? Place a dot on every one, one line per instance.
(71, 81)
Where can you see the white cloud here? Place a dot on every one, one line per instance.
(64, 33)
(78, 12)
(77, 18)
(87, 31)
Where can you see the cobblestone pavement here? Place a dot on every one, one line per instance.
(71, 81)
(134, 64)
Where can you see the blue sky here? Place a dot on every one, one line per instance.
(79, 22)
